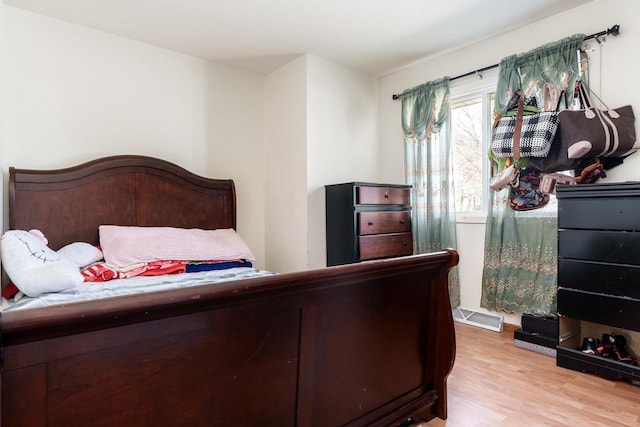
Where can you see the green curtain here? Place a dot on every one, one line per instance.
(426, 124)
(556, 63)
(519, 272)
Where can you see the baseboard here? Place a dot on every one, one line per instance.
(551, 352)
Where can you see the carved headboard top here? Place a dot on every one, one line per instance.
(68, 205)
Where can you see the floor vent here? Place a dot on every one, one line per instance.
(482, 320)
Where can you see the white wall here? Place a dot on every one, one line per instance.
(234, 146)
(320, 129)
(73, 94)
(342, 144)
(286, 166)
(619, 63)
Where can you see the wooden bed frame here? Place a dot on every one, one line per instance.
(362, 344)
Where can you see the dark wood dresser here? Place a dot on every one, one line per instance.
(599, 274)
(367, 221)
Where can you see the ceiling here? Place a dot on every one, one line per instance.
(374, 36)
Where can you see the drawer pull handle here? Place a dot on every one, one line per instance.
(402, 221)
(386, 195)
(404, 244)
(370, 223)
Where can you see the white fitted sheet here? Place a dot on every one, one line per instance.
(135, 285)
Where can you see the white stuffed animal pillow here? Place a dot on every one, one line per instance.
(34, 267)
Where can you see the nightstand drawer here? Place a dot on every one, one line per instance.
(384, 222)
(385, 245)
(383, 196)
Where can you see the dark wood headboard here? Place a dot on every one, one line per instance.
(68, 205)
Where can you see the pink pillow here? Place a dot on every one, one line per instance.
(124, 246)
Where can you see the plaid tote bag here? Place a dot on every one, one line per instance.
(538, 131)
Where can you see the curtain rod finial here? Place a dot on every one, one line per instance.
(614, 31)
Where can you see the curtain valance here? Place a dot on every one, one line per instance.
(557, 63)
(424, 108)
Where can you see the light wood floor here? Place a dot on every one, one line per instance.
(495, 383)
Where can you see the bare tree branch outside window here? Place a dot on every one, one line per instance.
(466, 128)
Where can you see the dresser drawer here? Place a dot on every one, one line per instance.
(610, 206)
(599, 308)
(385, 245)
(612, 279)
(619, 247)
(383, 196)
(384, 222)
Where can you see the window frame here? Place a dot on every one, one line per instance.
(482, 87)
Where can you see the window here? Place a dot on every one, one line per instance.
(471, 117)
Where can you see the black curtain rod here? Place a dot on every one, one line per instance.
(614, 31)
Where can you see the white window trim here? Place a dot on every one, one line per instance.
(472, 87)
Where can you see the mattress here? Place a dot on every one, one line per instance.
(135, 285)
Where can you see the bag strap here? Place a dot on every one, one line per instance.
(563, 95)
(585, 93)
(518, 131)
(514, 97)
(549, 96)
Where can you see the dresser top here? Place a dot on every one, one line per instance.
(608, 189)
(368, 184)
